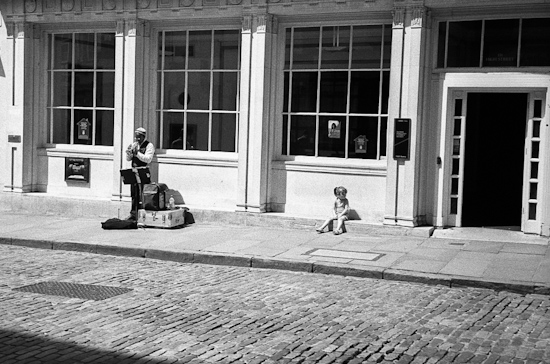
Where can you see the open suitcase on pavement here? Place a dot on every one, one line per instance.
(162, 219)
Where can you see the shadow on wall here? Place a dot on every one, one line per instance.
(2, 73)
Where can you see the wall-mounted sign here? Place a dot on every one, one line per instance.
(14, 138)
(361, 144)
(77, 169)
(334, 129)
(401, 141)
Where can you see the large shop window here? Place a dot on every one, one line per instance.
(336, 82)
(198, 83)
(81, 98)
(494, 43)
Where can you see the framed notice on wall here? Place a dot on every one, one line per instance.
(77, 169)
(401, 140)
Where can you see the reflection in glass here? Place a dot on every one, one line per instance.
(174, 50)
(306, 48)
(534, 170)
(286, 86)
(200, 50)
(304, 91)
(334, 92)
(284, 146)
(365, 92)
(63, 51)
(288, 44)
(386, 60)
(536, 128)
(533, 190)
(454, 186)
(442, 39)
(458, 108)
(537, 113)
(464, 44)
(385, 91)
(454, 205)
(226, 49)
(61, 126)
(367, 46)
(302, 135)
(104, 122)
(456, 146)
(105, 93)
(367, 127)
(500, 46)
(84, 50)
(535, 149)
(199, 90)
(225, 91)
(174, 88)
(383, 136)
(197, 131)
(172, 129)
(535, 42)
(83, 89)
(532, 211)
(61, 89)
(105, 51)
(458, 127)
(456, 166)
(224, 129)
(335, 51)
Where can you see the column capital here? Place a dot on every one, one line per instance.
(418, 16)
(398, 16)
(247, 23)
(266, 23)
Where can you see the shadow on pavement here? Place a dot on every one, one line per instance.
(28, 347)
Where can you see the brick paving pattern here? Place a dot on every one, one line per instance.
(194, 313)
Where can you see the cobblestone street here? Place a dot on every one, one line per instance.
(192, 313)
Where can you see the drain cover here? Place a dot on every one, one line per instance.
(74, 290)
(345, 254)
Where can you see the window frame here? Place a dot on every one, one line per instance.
(157, 90)
(378, 164)
(48, 49)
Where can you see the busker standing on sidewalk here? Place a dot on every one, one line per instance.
(140, 153)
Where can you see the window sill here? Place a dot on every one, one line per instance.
(332, 165)
(77, 151)
(197, 157)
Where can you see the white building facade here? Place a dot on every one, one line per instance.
(429, 112)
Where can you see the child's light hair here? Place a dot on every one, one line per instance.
(340, 189)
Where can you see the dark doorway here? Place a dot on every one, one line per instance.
(493, 163)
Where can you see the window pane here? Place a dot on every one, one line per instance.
(458, 109)
(335, 51)
(63, 47)
(226, 49)
(288, 43)
(84, 50)
(84, 89)
(306, 48)
(464, 44)
(537, 113)
(456, 166)
(302, 135)
(61, 126)
(441, 44)
(197, 131)
(535, 150)
(304, 91)
(533, 191)
(532, 211)
(332, 136)
(199, 90)
(105, 51)
(174, 50)
(62, 89)
(457, 131)
(334, 90)
(225, 91)
(79, 137)
(385, 91)
(367, 46)
(224, 127)
(534, 169)
(105, 96)
(286, 93)
(172, 130)
(535, 42)
(104, 121)
(383, 136)
(387, 46)
(454, 186)
(364, 92)
(174, 89)
(368, 128)
(284, 150)
(500, 46)
(536, 128)
(454, 205)
(200, 43)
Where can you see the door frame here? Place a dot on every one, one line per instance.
(458, 86)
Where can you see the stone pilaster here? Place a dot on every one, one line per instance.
(258, 39)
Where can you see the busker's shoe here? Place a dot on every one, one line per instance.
(319, 231)
(131, 218)
(337, 232)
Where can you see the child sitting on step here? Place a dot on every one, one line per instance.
(340, 211)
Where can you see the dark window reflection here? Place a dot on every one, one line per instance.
(174, 50)
(84, 50)
(306, 48)
(105, 51)
(464, 44)
(442, 38)
(200, 50)
(535, 42)
(500, 46)
(304, 91)
(334, 91)
(364, 92)
(105, 122)
(197, 131)
(226, 49)
(63, 51)
(83, 89)
(224, 128)
(335, 51)
(367, 46)
(302, 135)
(61, 126)
(225, 91)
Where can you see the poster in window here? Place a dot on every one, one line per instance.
(83, 129)
(334, 129)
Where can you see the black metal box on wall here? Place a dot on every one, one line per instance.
(77, 169)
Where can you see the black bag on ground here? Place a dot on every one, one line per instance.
(117, 224)
(154, 197)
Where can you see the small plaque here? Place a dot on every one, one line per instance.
(14, 138)
(401, 146)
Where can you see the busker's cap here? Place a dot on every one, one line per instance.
(141, 131)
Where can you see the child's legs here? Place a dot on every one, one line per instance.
(325, 224)
(341, 222)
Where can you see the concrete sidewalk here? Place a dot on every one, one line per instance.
(494, 259)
